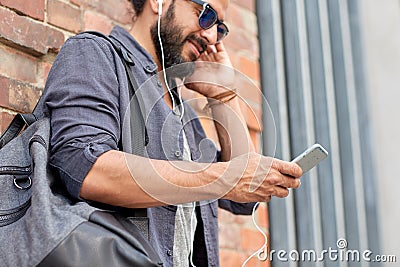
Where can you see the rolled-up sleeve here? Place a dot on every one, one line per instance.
(82, 101)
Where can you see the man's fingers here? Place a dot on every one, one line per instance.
(211, 49)
(288, 168)
(220, 47)
(281, 192)
(294, 183)
(284, 181)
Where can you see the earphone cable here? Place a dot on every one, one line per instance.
(262, 253)
(192, 229)
(180, 98)
(163, 61)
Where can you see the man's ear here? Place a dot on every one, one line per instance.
(160, 3)
(156, 6)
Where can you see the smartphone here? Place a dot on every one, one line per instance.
(311, 157)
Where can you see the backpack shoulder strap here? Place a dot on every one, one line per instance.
(126, 59)
(136, 130)
(16, 126)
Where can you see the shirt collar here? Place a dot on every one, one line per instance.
(138, 52)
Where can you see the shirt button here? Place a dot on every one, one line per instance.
(177, 153)
(150, 68)
(159, 84)
(169, 253)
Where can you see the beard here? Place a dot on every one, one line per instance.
(173, 41)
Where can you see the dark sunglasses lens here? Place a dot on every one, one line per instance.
(207, 18)
(222, 32)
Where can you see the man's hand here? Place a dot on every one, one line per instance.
(214, 73)
(263, 178)
(217, 54)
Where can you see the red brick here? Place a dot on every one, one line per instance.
(18, 65)
(5, 119)
(262, 216)
(196, 100)
(237, 49)
(64, 15)
(4, 97)
(236, 40)
(28, 34)
(31, 8)
(229, 234)
(77, 2)
(230, 258)
(254, 117)
(254, 261)
(252, 114)
(23, 97)
(247, 4)
(251, 239)
(242, 219)
(240, 17)
(97, 22)
(117, 10)
(234, 57)
(255, 138)
(87, 3)
(248, 89)
(19, 96)
(225, 216)
(44, 72)
(239, 40)
(209, 128)
(234, 16)
(266, 263)
(229, 218)
(250, 67)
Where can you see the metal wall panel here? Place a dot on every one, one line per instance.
(368, 177)
(312, 78)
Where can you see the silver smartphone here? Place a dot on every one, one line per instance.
(311, 157)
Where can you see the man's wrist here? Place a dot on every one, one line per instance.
(221, 94)
(220, 98)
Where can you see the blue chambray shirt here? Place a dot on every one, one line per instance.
(86, 97)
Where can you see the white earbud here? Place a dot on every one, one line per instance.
(159, 6)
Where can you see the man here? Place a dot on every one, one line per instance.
(86, 97)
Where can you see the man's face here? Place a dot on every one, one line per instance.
(182, 38)
(173, 40)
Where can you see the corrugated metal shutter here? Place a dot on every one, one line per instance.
(312, 77)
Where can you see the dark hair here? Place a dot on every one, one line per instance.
(138, 6)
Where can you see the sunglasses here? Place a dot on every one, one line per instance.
(209, 17)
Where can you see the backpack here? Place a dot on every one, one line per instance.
(41, 227)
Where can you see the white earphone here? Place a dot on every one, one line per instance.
(175, 111)
(159, 7)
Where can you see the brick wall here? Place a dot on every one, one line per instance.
(32, 32)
